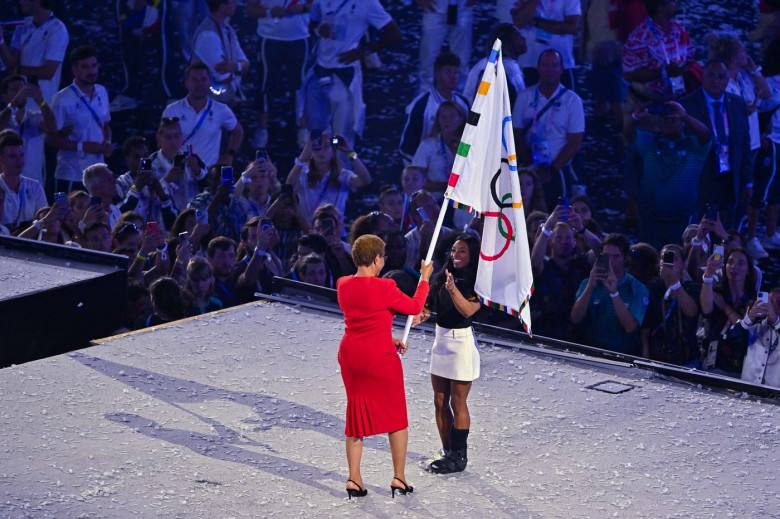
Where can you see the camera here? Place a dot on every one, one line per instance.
(563, 201)
(335, 141)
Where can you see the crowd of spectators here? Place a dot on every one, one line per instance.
(203, 232)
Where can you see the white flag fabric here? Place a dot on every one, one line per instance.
(484, 181)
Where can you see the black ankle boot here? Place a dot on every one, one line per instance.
(456, 459)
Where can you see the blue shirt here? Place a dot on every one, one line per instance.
(602, 326)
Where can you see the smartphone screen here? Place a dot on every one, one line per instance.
(227, 174)
(602, 262)
(152, 227)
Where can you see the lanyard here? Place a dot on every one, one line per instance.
(39, 27)
(550, 103)
(200, 121)
(339, 8)
(661, 38)
(81, 97)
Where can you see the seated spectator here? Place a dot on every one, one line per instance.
(422, 112)
(557, 276)
(318, 176)
(139, 306)
(668, 332)
(289, 223)
(532, 191)
(391, 202)
(253, 190)
(533, 225)
(336, 238)
(140, 190)
(258, 265)
(97, 236)
(374, 223)
(644, 263)
(225, 214)
(762, 360)
(723, 306)
(221, 255)
(101, 184)
(611, 303)
(436, 152)
(47, 225)
(78, 202)
(311, 269)
(395, 256)
(199, 289)
(181, 173)
(126, 234)
(412, 180)
(424, 211)
(23, 196)
(307, 244)
(166, 302)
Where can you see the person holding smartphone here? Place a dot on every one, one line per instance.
(318, 176)
(668, 331)
(611, 303)
(762, 322)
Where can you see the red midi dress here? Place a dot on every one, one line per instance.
(370, 365)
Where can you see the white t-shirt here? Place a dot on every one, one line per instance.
(184, 189)
(768, 104)
(70, 108)
(290, 28)
(348, 25)
(310, 198)
(564, 117)
(433, 154)
(556, 10)
(37, 45)
(205, 140)
(21, 206)
(31, 131)
(212, 50)
(514, 76)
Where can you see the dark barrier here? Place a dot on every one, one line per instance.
(71, 296)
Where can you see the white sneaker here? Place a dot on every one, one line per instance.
(121, 103)
(260, 139)
(303, 137)
(771, 242)
(755, 249)
(372, 61)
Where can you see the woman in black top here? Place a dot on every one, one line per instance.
(454, 357)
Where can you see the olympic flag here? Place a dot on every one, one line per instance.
(484, 181)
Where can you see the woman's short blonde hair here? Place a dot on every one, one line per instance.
(366, 249)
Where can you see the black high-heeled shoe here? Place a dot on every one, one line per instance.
(405, 490)
(353, 492)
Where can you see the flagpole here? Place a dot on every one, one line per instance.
(428, 258)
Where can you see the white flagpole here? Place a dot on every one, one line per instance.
(428, 257)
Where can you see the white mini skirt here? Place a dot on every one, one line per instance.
(455, 355)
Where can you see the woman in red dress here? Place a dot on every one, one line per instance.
(368, 356)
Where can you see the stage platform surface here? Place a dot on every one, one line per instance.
(241, 414)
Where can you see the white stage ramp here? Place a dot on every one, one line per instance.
(240, 414)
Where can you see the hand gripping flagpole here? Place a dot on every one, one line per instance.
(428, 258)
